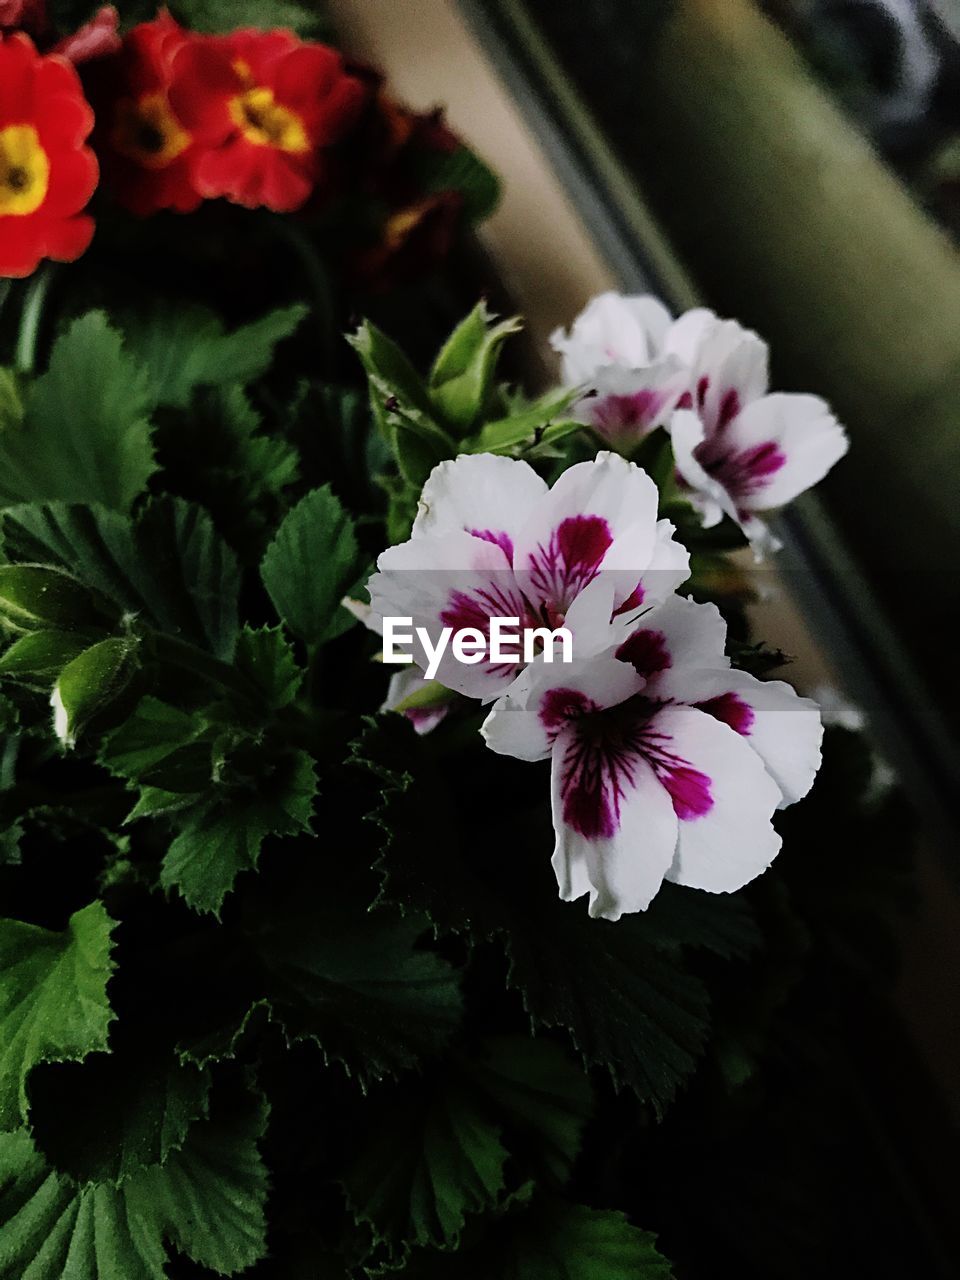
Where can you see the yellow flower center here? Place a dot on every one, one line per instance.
(24, 171)
(148, 132)
(264, 122)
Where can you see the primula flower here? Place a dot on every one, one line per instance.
(492, 540)
(666, 763)
(617, 350)
(262, 106)
(150, 152)
(47, 175)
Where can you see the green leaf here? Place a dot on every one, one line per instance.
(184, 347)
(539, 1096)
(418, 442)
(85, 436)
(534, 423)
(220, 840)
(384, 360)
(11, 399)
(160, 746)
(266, 658)
(209, 15)
(437, 1147)
(426, 1168)
(53, 999)
(552, 1240)
(88, 684)
(216, 452)
(311, 563)
(41, 655)
(463, 171)
(170, 566)
(625, 1006)
(34, 597)
(106, 1118)
(207, 1200)
(462, 378)
(619, 994)
(359, 987)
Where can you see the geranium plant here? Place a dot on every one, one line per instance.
(287, 986)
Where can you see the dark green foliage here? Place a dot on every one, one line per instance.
(287, 989)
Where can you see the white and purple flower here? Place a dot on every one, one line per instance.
(666, 763)
(491, 540)
(617, 350)
(739, 450)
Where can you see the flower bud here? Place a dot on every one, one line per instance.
(89, 683)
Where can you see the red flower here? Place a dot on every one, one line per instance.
(262, 107)
(47, 175)
(413, 240)
(148, 150)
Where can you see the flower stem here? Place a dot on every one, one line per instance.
(318, 278)
(30, 317)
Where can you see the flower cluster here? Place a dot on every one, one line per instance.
(739, 450)
(261, 119)
(667, 763)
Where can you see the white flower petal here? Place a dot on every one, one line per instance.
(455, 581)
(677, 646)
(407, 683)
(807, 437)
(625, 404)
(723, 796)
(616, 836)
(600, 514)
(728, 365)
(709, 497)
(482, 493)
(612, 329)
(784, 729)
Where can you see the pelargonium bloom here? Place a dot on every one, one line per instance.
(262, 107)
(47, 174)
(491, 540)
(666, 763)
(617, 349)
(740, 450)
(150, 152)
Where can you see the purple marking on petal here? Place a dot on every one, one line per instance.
(570, 560)
(502, 540)
(732, 710)
(703, 386)
(688, 788)
(646, 651)
(595, 772)
(633, 601)
(560, 706)
(744, 472)
(475, 609)
(685, 401)
(729, 408)
(615, 416)
(599, 765)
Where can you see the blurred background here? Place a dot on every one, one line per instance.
(796, 164)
